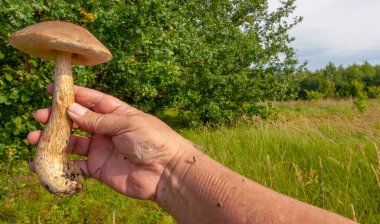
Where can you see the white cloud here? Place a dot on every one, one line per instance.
(341, 31)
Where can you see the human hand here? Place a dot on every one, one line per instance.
(129, 149)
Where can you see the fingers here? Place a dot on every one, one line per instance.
(78, 145)
(42, 115)
(34, 137)
(90, 121)
(98, 101)
(108, 124)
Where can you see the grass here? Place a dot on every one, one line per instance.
(325, 153)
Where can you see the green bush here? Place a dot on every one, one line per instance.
(359, 103)
(374, 92)
(357, 88)
(327, 88)
(21, 93)
(314, 95)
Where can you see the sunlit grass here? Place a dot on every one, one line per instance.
(324, 153)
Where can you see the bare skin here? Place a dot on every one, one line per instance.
(139, 156)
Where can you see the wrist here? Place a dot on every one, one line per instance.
(193, 183)
(171, 191)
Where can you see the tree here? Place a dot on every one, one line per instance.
(327, 88)
(309, 81)
(355, 80)
(330, 71)
(211, 60)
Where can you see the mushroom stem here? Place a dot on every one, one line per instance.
(57, 174)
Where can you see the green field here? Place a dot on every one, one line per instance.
(324, 152)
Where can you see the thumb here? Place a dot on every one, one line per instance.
(90, 121)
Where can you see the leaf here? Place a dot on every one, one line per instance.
(17, 121)
(14, 94)
(9, 126)
(3, 98)
(33, 63)
(8, 77)
(25, 98)
(16, 131)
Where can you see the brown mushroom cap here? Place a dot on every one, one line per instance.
(44, 39)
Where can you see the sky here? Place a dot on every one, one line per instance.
(339, 31)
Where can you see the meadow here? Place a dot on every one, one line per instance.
(325, 153)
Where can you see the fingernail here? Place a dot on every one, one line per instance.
(77, 110)
(75, 125)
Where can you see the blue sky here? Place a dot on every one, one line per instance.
(341, 31)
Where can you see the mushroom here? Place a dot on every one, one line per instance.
(66, 44)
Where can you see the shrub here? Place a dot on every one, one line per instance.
(327, 88)
(374, 92)
(314, 95)
(359, 103)
(21, 93)
(357, 88)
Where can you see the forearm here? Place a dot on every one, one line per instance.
(197, 189)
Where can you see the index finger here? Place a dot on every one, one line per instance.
(99, 102)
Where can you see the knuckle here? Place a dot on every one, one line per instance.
(97, 122)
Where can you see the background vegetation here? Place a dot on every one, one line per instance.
(221, 64)
(340, 82)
